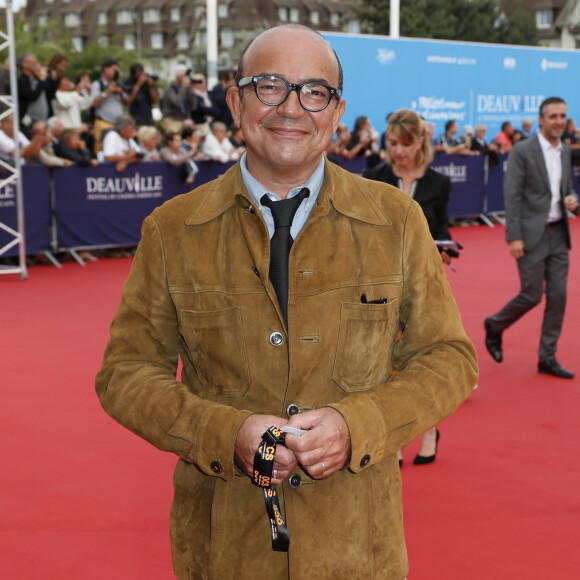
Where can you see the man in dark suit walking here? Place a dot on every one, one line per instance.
(538, 192)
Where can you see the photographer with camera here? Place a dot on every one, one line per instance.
(178, 101)
(206, 110)
(108, 100)
(142, 94)
(32, 100)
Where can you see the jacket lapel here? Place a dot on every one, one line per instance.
(566, 158)
(538, 158)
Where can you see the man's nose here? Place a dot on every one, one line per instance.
(291, 107)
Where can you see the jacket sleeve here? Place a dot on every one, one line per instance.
(436, 363)
(441, 226)
(26, 94)
(513, 187)
(137, 383)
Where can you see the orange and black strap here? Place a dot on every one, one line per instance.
(263, 466)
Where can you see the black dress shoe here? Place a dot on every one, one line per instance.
(424, 460)
(493, 342)
(552, 367)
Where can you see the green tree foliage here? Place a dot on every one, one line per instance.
(53, 37)
(467, 20)
(519, 29)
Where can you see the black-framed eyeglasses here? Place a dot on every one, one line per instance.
(272, 90)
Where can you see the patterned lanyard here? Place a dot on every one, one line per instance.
(263, 466)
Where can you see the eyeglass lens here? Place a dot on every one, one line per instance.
(273, 91)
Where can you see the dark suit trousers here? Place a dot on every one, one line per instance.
(545, 266)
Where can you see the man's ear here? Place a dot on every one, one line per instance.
(234, 101)
(338, 113)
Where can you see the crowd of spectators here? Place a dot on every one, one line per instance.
(143, 121)
(364, 140)
(66, 118)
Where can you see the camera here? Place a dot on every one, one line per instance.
(154, 78)
(116, 75)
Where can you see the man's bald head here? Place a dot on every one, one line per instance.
(272, 32)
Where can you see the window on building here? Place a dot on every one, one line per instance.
(222, 11)
(294, 15)
(72, 19)
(543, 18)
(42, 20)
(315, 17)
(124, 17)
(129, 42)
(283, 14)
(200, 39)
(353, 27)
(77, 42)
(103, 40)
(198, 12)
(182, 40)
(50, 1)
(151, 15)
(335, 19)
(227, 38)
(65, 1)
(175, 14)
(157, 40)
(102, 18)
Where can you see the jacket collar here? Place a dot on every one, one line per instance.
(341, 190)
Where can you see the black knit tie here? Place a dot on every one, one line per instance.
(283, 213)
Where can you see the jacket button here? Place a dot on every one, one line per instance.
(292, 409)
(294, 481)
(216, 467)
(365, 460)
(276, 339)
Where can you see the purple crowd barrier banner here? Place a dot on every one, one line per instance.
(100, 207)
(495, 175)
(467, 183)
(355, 165)
(36, 196)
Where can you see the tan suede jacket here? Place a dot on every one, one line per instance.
(199, 290)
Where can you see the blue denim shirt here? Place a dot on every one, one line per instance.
(257, 190)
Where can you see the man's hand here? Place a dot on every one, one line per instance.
(445, 257)
(326, 447)
(517, 248)
(248, 441)
(571, 203)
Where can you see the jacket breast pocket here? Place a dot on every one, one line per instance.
(365, 341)
(216, 345)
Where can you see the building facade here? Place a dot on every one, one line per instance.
(167, 32)
(557, 21)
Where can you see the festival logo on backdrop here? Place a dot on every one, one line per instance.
(439, 109)
(136, 187)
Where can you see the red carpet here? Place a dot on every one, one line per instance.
(81, 498)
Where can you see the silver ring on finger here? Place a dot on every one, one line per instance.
(275, 474)
(323, 467)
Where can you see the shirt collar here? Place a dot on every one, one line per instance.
(257, 190)
(547, 146)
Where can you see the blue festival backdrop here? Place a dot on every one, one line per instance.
(442, 80)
